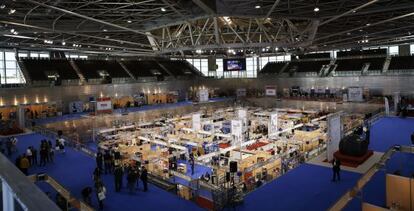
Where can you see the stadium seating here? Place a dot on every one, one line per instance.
(179, 68)
(358, 64)
(91, 68)
(146, 68)
(39, 69)
(306, 66)
(402, 63)
(272, 68)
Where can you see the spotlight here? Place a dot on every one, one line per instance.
(11, 11)
(257, 6)
(163, 9)
(2, 6)
(63, 43)
(129, 21)
(316, 9)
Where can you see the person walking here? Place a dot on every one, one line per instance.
(34, 156)
(29, 154)
(144, 178)
(43, 155)
(192, 163)
(118, 173)
(99, 160)
(101, 193)
(132, 179)
(336, 168)
(24, 165)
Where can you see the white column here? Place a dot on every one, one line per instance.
(8, 200)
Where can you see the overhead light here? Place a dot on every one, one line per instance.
(257, 6)
(163, 9)
(316, 9)
(129, 21)
(11, 11)
(368, 24)
(15, 33)
(2, 6)
(12, 30)
(227, 20)
(199, 51)
(104, 30)
(63, 43)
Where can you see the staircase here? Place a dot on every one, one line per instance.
(365, 68)
(283, 68)
(24, 71)
(386, 64)
(127, 70)
(78, 72)
(331, 70)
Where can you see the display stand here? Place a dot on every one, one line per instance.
(335, 132)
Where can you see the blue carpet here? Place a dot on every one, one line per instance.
(390, 131)
(74, 171)
(385, 133)
(307, 187)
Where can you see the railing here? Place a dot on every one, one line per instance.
(19, 193)
(71, 202)
(350, 194)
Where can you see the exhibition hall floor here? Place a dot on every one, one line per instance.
(305, 187)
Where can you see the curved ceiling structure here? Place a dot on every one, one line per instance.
(183, 27)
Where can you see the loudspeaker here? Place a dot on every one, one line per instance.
(233, 166)
(227, 176)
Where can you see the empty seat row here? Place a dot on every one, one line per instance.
(358, 64)
(402, 63)
(95, 69)
(41, 69)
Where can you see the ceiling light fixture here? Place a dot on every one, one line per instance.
(129, 21)
(163, 9)
(257, 6)
(316, 9)
(11, 11)
(63, 43)
(104, 30)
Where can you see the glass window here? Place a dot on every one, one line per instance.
(34, 55)
(44, 55)
(393, 50)
(22, 54)
(83, 57)
(10, 56)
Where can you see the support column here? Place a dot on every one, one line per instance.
(8, 200)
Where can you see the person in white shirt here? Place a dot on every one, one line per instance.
(29, 154)
(62, 145)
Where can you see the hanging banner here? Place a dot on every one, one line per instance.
(334, 134)
(203, 95)
(270, 90)
(104, 105)
(196, 121)
(396, 99)
(387, 107)
(241, 92)
(272, 128)
(355, 94)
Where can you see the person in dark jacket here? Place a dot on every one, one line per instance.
(336, 168)
(144, 178)
(99, 160)
(118, 173)
(87, 195)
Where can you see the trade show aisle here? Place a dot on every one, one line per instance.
(307, 187)
(68, 117)
(73, 170)
(390, 131)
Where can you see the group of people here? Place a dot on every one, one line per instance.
(109, 162)
(8, 146)
(46, 153)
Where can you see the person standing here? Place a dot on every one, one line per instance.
(50, 151)
(192, 165)
(9, 146)
(29, 154)
(118, 178)
(101, 193)
(107, 161)
(144, 178)
(86, 195)
(43, 155)
(99, 160)
(336, 168)
(132, 179)
(34, 156)
(24, 165)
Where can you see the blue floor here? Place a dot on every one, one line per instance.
(384, 134)
(74, 171)
(307, 187)
(390, 131)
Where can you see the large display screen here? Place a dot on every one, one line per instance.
(234, 64)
